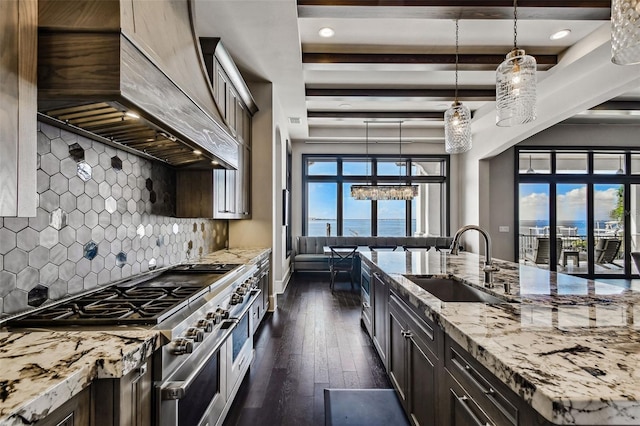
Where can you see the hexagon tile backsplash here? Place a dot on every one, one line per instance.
(103, 215)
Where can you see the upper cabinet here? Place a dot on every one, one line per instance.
(230, 92)
(222, 193)
(18, 91)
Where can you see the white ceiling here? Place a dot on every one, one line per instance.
(267, 38)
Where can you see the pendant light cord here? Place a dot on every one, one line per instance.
(366, 126)
(515, 24)
(455, 100)
(400, 143)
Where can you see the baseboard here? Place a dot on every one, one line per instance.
(281, 285)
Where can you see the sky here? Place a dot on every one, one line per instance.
(571, 201)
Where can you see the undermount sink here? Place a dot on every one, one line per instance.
(450, 290)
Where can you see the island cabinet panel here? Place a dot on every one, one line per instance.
(412, 362)
(380, 303)
(366, 317)
(76, 411)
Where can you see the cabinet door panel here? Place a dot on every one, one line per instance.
(422, 385)
(380, 314)
(397, 366)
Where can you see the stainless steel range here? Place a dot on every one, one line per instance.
(204, 313)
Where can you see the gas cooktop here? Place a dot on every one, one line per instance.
(137, 303)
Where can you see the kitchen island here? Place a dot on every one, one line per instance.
(40, 370)
(566, 346)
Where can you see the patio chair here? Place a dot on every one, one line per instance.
(606, 251)
(343, 259)
(541, 253)
(383, 248)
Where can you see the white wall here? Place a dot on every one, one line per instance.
(268, 156)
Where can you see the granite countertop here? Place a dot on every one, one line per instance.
(40, 370)
(569, 346)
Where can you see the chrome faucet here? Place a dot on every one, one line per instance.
(489, 268)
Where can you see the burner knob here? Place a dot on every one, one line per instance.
(205, 325)
(224, 313)
(236, 298)
(194, 333)
(182, 346)
(241, 290)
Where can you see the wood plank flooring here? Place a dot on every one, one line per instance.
(312, 342)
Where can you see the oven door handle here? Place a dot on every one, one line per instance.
(171, 390)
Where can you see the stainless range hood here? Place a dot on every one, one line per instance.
(131, 74)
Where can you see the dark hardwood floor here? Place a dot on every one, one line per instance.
(312, 342)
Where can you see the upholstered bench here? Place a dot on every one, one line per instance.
(310, 254)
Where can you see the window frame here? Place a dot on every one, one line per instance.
(340, 179)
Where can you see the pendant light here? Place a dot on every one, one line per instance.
(516, 84)
(625, 32)
(620, 170)
(384, 192)
(457, 120)
(530, 170)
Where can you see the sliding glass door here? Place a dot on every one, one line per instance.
(578, 212)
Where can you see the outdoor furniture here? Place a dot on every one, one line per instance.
(541, 251)
(570, 253)
(606, 251)
(636, 259)
(343, 259)
(383, 248)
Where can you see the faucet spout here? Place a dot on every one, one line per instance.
(489, 267)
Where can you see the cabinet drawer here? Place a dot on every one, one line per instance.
(423, 330)
(488, 392)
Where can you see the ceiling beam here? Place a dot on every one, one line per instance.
(425, 115)
(617, 106)
(463, 94)
(599, 10)
(544, 61)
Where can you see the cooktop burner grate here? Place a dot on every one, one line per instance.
(138, 303)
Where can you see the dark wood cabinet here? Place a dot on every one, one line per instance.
(217, 194)
(412, 363)
(366, 316)
(125, 401)
(74, 412)
(380, 316)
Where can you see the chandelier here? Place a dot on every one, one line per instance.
(384, 192)
(457, 120)
(625, 32)
(516, 84)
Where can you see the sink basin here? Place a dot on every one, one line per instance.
(450, 290)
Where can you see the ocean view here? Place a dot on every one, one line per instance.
(527, 227)
(359, 227)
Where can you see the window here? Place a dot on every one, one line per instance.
(575, 209)
(329, 209)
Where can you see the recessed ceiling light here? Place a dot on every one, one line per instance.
(197, 152)
(344, 106)
(214, 162)
(560, 34)
(131, 114)
(326, 32)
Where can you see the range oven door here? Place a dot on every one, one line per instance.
(196, 393)
(240, 348)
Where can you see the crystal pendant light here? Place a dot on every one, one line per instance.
(457, 120)
(516, 84)
(625, 32)
(384, 192)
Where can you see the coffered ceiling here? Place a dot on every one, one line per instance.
(395, 60)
